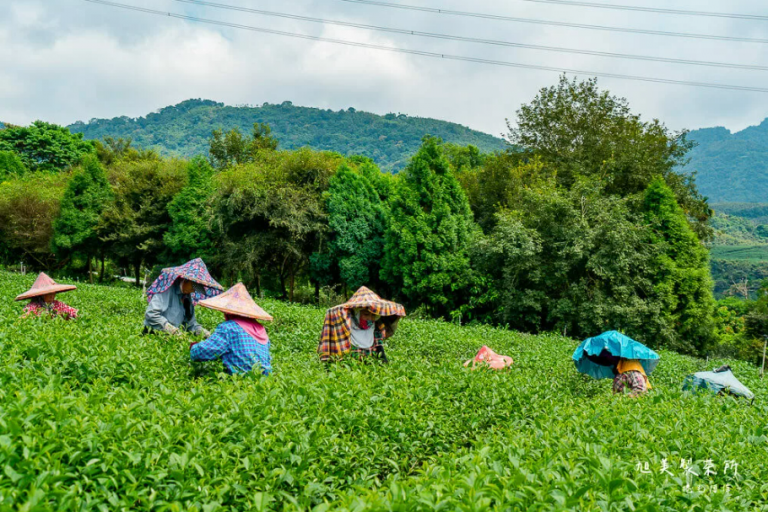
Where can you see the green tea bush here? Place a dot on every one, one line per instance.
(94, 416)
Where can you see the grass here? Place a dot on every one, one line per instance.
(94, 416)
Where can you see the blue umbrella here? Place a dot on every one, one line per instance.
(599, 355)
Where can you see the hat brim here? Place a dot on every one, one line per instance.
(255, 316)
(39, 292)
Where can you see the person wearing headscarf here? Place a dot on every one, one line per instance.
(173, 295)
(359, 327)
(630, 375)
(240, 341)
(42, 299)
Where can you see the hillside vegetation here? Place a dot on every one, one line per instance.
(97, 417)
(184, 130)
(739, 250)
(731, 167)
(568, 234)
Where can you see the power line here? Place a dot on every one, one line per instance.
(499, 17)
(477, 40)
(433, 54)
(754, 17)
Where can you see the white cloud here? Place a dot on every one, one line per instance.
(67, 60)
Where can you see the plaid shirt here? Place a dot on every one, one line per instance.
(238, 350)
(55, 308)
(336, 335)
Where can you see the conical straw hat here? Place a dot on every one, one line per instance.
(43, 286)
(236, 301)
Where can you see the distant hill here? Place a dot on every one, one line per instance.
(184, 130)
(732, 167)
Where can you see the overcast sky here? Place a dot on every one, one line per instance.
(69, 60)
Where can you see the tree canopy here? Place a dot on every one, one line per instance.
(45, 146)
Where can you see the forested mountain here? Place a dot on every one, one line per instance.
(184, 130)
(732, 167)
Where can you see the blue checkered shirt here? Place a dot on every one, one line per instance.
(238, 350)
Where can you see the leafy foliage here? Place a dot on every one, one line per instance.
(98, 417)
(356, 220)
(11, 165)
(45, 146)
(566, 238)
(579, 132)
(233, 148)
(191, 234)
(683, 282)
(135, 222)
(88, 194)
(574, 261)
(270, 215)
(185, 129)
(28, 209)
(426, 252)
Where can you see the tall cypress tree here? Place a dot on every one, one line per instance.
(430, 229)
(356, 218)
(87, 194)
(190, 234)
(683, 282)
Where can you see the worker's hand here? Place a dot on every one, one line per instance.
(170, 329)
(205, 333)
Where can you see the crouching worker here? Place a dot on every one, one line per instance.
(359, 326)
(630, 375)
(173, 295)
(240, 341)
(43, 298)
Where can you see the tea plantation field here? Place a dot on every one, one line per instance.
(756, 252)
(94, 416)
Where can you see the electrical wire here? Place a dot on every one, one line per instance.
(433, 54)
(499, 17)
(477, 40)
(753, 17)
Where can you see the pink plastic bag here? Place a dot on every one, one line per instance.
(486, 356)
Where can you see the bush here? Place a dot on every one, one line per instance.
(97, 417)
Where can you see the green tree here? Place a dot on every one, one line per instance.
(682, 279)
(45, 146)
(111, 150)
(580, 131)
(357, 219)
(11, 165)
(190, 235)
(88, 193)
(575, 261)
(270, 217)
(134, 224)
(233, 148)
(426, 255)
(498, 183)
(29, 205)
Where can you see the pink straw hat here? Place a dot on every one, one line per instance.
(43, 286)
(236, 301)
